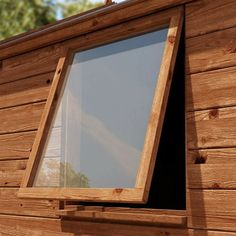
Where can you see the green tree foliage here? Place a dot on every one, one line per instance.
(54, 173)
(71, 7)
(72, 178)
(20, 16)
(17, 16)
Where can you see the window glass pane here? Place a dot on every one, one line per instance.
(98, 133)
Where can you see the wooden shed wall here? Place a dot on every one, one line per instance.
(25, 80)
(211, 117)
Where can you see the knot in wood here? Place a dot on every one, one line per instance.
(216, 186)
(171, 39)
(118, 190)
(214, 113)
(201, 159)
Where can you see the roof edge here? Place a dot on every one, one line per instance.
(83, 23)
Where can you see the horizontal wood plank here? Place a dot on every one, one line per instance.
(27, 226)
(211, 128)
(11, 172)
(26, 71)
(212, 169)
(20, 118)
(216, 176)
(43, 55)
(212, 156)
(211, 51)
(83, 24)
(143, 211)
(11, 204)
(16, 146)
(206, 16)
(212, 209)
(196, 232)
(211, 89)
(115, 195)
(33, 89)
(130, 218)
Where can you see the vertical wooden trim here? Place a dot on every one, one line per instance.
(160, 100)
(46, 120)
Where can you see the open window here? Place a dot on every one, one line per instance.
(100, 129)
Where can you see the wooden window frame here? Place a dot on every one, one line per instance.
(173, 19)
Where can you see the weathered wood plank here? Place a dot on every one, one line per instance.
(211, 51)
(43, 55)
(216, 176)
(164, 220)
(20, 118)
(10, 204)
(83, 24)
(211, 89)
(129, 195)
(142, 211)
(206, 16)
(212, 209)
(212, 156)
(27, 70)
(211, 128)
(212, 169)
(33, 89)
(43, 65)
(16, 146)
(11, 172)
(27, 226)
(196, 232)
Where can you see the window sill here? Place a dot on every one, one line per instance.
(164, 218)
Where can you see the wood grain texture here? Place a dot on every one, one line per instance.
(43, 55)
(15, 225)
(216, 176)
(206, 16)
(196, 232)
(115, 195)
(211, 128)
(25, 71)
(32, 89)
(142, 211)
(212, 156)
(20, 118)
(211, 51)
(11, 172)
(164, 220)
(19, 67)
(16, 146)
(211, 89)
(212, 169)
(121, 31)
(10, 204)
(83, 24)
(27, 226)
(212, 209)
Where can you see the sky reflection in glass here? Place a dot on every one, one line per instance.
(103, 115)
